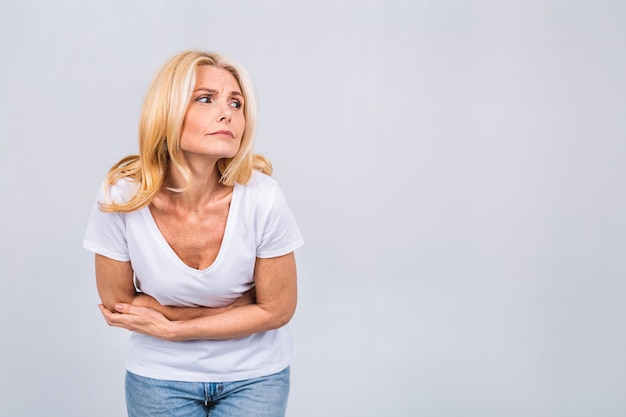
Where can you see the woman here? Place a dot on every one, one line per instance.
(194, 251)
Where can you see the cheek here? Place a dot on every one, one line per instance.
(241, 126)
(194, 120)
(189, 133)
(190, 125)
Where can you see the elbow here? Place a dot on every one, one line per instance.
(110, 305)
(280, 322)
(110, 302)
(281, 318)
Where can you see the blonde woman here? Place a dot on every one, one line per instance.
(194, 251)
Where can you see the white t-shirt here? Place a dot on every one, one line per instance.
(259, 224)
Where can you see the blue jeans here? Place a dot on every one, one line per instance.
(258, 397)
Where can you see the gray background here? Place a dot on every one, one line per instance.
(457, 169)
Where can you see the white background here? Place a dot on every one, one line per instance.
(457, 168)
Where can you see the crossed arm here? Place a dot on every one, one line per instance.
(271, 307)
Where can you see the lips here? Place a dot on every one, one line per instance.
(226, 133)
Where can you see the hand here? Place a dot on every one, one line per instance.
(141, 320)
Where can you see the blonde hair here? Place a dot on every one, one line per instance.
(160, 128)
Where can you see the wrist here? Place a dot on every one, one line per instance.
(174, 331)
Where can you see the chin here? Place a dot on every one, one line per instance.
(228, 155)
(212, 154)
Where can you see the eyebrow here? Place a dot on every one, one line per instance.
(208, 90)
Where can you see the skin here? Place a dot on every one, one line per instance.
(193, 223)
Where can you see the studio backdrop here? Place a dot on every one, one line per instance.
(457, 169)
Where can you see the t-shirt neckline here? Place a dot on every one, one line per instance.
(165, 246)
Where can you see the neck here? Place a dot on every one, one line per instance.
(204, 188)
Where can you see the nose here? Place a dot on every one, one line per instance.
(226, 113)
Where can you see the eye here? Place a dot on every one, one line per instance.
(205, 99)
(236, 104)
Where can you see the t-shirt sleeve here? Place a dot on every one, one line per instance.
(281, 234)
(106, 233)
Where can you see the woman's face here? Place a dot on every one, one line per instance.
(214, 122)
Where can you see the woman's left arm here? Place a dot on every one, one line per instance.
(276, 299)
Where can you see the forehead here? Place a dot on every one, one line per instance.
(214, 78)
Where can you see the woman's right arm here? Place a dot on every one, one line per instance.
(115, 284)
(114, 280)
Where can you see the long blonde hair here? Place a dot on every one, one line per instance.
(160, 128)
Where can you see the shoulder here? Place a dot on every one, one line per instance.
(259, 183)
(259, 193)
(119, 192)
(261, 180)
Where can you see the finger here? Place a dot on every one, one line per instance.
(113, 317)
(106, 313)
(123, 308)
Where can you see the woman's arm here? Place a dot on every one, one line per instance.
(276, 298)
(173, 313)
(114, 280)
